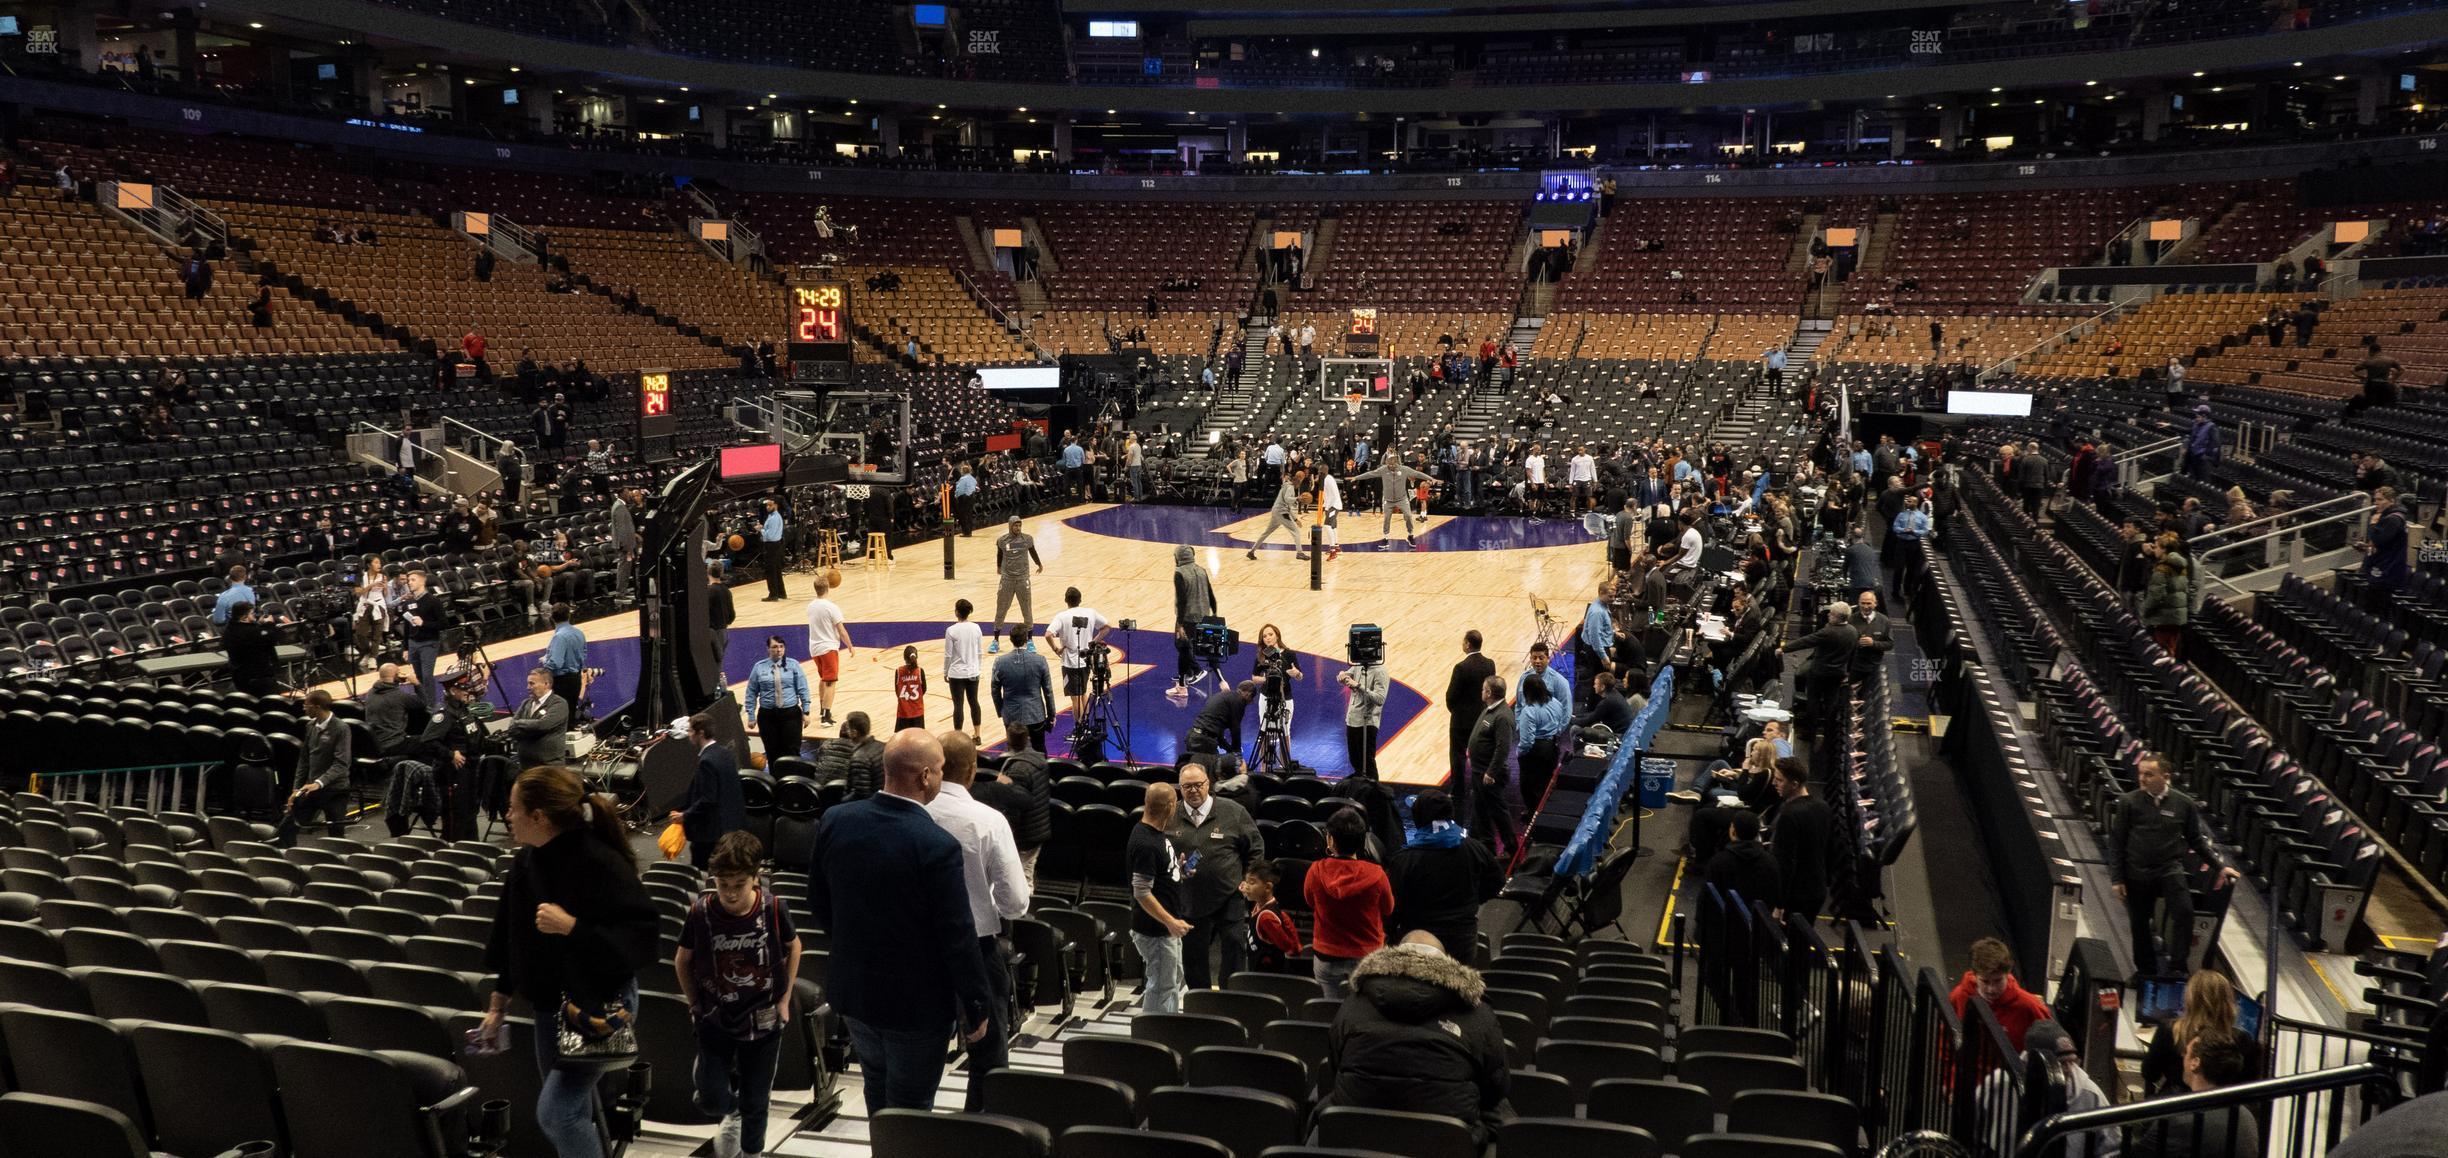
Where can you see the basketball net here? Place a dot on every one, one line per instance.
(1351, 405)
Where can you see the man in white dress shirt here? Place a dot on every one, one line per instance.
(998, 892)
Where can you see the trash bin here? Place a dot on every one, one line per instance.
(1657, 778)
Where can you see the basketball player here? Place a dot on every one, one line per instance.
(1285, 515)
(1013, 554)
(1395, 494)
(1330, 508)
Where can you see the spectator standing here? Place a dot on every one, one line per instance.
(1155, 867)
(625, 541)
(2384, 546)
(2167, 601)
(828, 642)
(1023, 690)
(253, 649)
(1350, 899)
(236, 593)
(573, 928)
(1804, 841)
(1462, 710)
(1218, 839)
(720, 615)
(1417, 1036)
(1489, 754)
(422, 617)
(1365, 687)
(997, 890)
(888, 884)
(1023, 792)
(737, 964)
(2156, 829)
(539, 729)
(1441, 877)
(964, 663)
(714, 805)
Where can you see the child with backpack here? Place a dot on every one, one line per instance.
(1274, 939)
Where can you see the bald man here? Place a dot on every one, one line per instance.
(392, 709)
(888, 883)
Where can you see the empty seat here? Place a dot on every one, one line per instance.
(968, 1135)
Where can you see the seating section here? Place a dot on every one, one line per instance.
(2173, 325)
(1084, 332)
(1419, 255)
(74, 283)
(1643, 336)
(1729, 253)
(1982, 339)
(1972, 251)
(932, 309)
(677, 277)
(422, 277)
(1115, 254)
(228, 166)
(2411, 326)
(2265, 220)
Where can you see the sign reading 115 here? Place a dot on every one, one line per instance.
(819, 313)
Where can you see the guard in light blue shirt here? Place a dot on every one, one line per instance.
(565, 656)
(1861, 459)
(777, 701)
(1597, 640)
(236, 593)
(1539, 726)
(769, 548)
(964, 500)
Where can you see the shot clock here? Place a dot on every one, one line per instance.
(657, 421)
(819, 345)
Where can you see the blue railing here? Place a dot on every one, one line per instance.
(1598, 821)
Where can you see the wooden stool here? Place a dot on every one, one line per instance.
(828, 549)
(878, 550)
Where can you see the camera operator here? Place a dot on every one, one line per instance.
(1277, 667)
(1074, 633)
(1216, 729)
(1194, 600)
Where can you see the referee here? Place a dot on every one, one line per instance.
(771, 535)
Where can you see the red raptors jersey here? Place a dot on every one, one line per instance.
(909, 692)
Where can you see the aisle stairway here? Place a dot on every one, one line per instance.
(1234, 401)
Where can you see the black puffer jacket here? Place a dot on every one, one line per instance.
(860, 762)
(1416, 1036)
(1026, 802)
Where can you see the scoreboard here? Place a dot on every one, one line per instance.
(819, 321)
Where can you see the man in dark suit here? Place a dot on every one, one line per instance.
(886, 882)
(322, 772)
(1222, 838)
(1462, 711)
(1823, 682)
(540, 727)
(1875, 640)
(714, 805)
(323, 544)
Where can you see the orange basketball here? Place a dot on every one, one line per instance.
(737, 542)
(832, 577)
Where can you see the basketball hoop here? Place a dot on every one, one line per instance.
(1351, 405)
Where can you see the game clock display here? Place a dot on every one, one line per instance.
(820, 331)
(658, 420)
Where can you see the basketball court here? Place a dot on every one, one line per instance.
(1467, 573)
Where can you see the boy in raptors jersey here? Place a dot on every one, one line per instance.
(909, 692)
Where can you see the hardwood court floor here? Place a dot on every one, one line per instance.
(1468, 572)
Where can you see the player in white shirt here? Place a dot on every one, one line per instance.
(1583, 473)
(828, 642)
(1071, 633)
(1330, 501)
(964, 662)
(1536, 484)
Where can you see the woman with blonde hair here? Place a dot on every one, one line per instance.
(2209, 1013)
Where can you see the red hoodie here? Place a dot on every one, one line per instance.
(1350, 899)
(2016, 1008)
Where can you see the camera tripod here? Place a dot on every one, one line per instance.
(1274, 751)
(1097, 717)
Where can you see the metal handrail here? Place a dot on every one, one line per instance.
(2036, 347)
(2355, 503)
(2045, 1136)
(474, 434)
